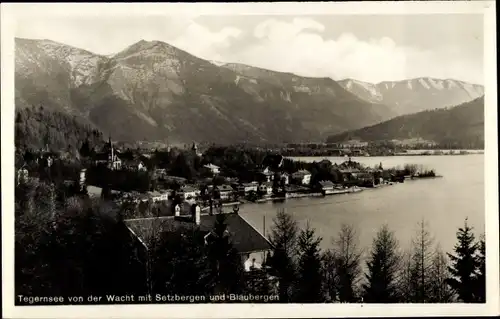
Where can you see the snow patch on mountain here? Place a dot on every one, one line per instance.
(424, 84)
(349, 84)
(437, 84)
(218, 63)
(370, 88)
(472, 90)
(409, 85)
(83, 64)
(451, 84)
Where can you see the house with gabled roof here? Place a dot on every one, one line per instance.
(302, 177)
(22, 174)
(212, 168)
(250, 244)
(134, 165)
(188, 192)
(225, 191)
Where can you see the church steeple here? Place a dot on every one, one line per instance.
(111, 150)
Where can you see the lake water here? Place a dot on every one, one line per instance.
(443, 203)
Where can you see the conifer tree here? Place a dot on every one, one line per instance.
(330, 280)
(283, 238)
(348, 257)
(383, 269)
(441, 292)
(480, 279)
(309, 275)
(226, 265)
(464, 264)
(421, 257)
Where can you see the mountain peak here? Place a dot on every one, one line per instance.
(148, 47)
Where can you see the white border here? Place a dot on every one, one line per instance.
(9, 12)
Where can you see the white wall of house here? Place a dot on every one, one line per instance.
(256, 259)
(306, 180)
(225, 195)
(189, 194)
(286, 179)
(268, 190)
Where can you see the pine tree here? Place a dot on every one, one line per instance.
(180, 265)
(464, 264)
(309, 280)
(283, 238)
(227, 271)
(421, 257)
(441, 292)
(383, 269)
(330, 280)
(480, 278)
(348, 257)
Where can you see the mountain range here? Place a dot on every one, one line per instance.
(460, 126)
(415, 95)
(154, 91)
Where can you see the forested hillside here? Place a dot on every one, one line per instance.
(459, 126)
(38, 127)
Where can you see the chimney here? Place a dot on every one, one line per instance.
(177, 209)
(82, 178)
(196, 211)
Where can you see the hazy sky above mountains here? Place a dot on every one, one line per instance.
(370, 48)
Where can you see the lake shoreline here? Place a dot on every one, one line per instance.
(348, 191)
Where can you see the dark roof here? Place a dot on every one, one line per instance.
(188, 188)
(301, 172)
(326, 184)
(244, 237)
(133, 162)
(225, 188)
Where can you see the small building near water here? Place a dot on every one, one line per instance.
(326, 187)
(302, 177)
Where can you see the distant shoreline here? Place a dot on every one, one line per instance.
(408, 153)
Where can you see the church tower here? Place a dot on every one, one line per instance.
(111, 154)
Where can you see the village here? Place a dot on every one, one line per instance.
(269, 181)
(153, 199)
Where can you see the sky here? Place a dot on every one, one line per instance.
(371, 48)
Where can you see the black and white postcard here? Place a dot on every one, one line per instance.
(249, 160)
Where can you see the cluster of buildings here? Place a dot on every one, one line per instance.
(112, 158)
(189, 213)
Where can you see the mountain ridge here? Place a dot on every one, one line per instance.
(415, 94)
(152, 90)
(458, 126)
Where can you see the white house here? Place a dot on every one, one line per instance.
(213, 168)
(22, 175)
(188, 192)
(285, 177)
(266, 189)
(250, 244)
(268, 174)
(303, 177)
(157, 196)
(225, 191)
(248, 187)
